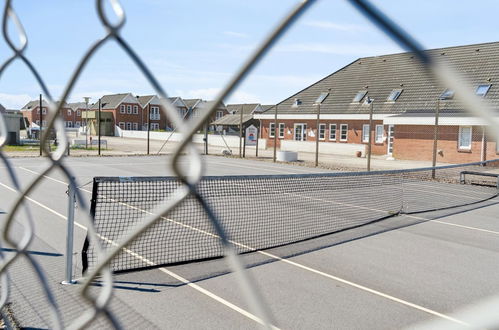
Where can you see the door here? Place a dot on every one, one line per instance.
(300, 132)
(391, 133)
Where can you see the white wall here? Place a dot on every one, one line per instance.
(213, 139)
(348, 149)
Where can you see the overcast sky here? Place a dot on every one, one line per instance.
(193, 47)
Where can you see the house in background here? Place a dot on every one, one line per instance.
(404, 99)
(152, 107)
(230, 123)
(31, 111)
(125, 108)
(14, 122)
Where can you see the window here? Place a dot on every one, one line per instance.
(379, 134)
(68, 123)
(300, 132)
(332, 132)
(69, 112)
(321, 98)
(122, 108)
(448, 94)
(135, 109)
(272, 130)
(77, 124)
(343, 132)
(296, 103)
(394, 95)
(365, 133)
(135, 126)
(281, 130)
(129, 109)
(78, 113)
(122, 125)
(128, 126)
(359, 96)
(464, 137)
(368, 101)
(219, 114)
(482, 90)
(44, 111)
(154, 127)
(154, 113)
(322, 131)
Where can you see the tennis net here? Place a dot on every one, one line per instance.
(261, 212)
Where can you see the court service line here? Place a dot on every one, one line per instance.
(147, 261)
(315, 271)
(265, 168)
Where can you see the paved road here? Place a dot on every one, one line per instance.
(387, 275)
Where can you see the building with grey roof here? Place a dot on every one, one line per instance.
(403, 98)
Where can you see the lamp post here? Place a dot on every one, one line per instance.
(86, 98)
(318, 102)
(369, 145)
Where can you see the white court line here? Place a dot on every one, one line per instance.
(355, 285)
(446, 188)
(147, 261)
(265, 168)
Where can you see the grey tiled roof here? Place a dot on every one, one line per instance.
(246, 108)
(34, 104)
(190, 102)
(77, 105)
(382, 74)
(232, 120)
(109, 101)
(144, 100)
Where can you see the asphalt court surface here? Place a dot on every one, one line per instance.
(391, 274)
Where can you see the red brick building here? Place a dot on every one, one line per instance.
(403, 99)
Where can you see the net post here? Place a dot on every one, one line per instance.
(70, 234)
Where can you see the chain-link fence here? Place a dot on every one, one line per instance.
(465, 143)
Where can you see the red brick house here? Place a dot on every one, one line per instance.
(126, 110)
(151, 106)
(403, 98)
(31, 111)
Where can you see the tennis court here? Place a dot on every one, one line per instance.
(387, 272)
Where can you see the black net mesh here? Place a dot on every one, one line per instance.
(261, 212)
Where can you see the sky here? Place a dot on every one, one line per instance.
(194, 47)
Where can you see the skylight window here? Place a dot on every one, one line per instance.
(482, 90)
(296, 103)
(360, 95)
(448, 94)
(368, 101)
(394, 95)
(321, 98)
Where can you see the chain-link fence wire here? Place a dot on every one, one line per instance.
(99, 303)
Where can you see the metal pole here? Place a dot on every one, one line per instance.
(483, 156)
(99, 126)
(435, 140)
(41, 123)
(206, 138)
(86, 122)
(317, 135)
(241, 132)
(257, 138)
(275, 131)
(70, 234)
(148, 126)
(369, 146)
(244, 143)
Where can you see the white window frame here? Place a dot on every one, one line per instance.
(303, 133)
(365, 133)
(281, 130)
(322, 132)
(129, 109)
(135, 126)
(460, 138)
(77, 124)
(44, 111)
(219, 114)
(332, 132)
(341, 132)
(154, 127)
(128, 126)
(271, 128)
(122, 125)
(122, 108)
(379, 137)
(69, 112)
(135, 109)
(78, 113)
(154, 115)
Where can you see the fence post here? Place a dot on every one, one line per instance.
(435, 140)
(369, 145)
(241, 132)
(70, 234)
(99, 126)
(317, 135)
(275, 134)
(257, 138)
(41, 124)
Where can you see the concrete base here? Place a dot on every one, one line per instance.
(287, 156)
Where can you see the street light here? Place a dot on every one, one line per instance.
(318, 103)
(86, 98)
